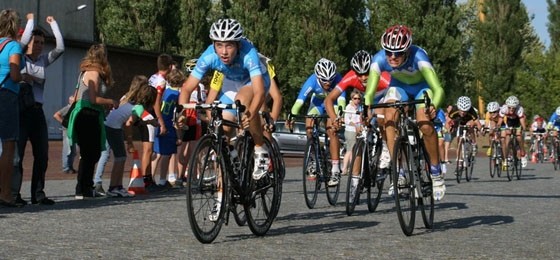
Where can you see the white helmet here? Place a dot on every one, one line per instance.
(558, 111)
(325, 69)
(361, 62)
(464, 103)
(225, 30)
(512, 101)
(189, 65)
(493, 106)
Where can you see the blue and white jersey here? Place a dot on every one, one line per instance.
(554, 121)
(312, 88)
(244, 66)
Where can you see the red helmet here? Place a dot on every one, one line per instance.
(396, 39)
(539, 119)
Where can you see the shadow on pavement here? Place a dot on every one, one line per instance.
(468, 222)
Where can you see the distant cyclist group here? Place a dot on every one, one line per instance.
(395, 134)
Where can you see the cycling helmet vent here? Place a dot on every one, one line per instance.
(225, 30)
(512, 101)
(325, 69)
(361, 62)
(396, 39)
(493, 106)
(464, 103)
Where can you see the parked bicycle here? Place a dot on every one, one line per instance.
(364, 168)
(220, 179)
(465, 153)
(317, 165)
(410, 169)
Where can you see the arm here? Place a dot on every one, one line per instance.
(58, 116)
(59, 49)
(306, 90)
(26, 37)
(15, 61)
(92, 80)
(277, 100)
(329, 103)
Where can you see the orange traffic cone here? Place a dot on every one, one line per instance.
(136, 185)
(534, 158)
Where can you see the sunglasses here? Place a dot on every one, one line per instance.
(322, 81)
(394, 54)
(356, 98)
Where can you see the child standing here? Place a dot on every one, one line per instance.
(165, 143)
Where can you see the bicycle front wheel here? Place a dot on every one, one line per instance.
(469, 162)
(425, 198)
(264, 199)
(511, 161)
(376, 179)
(206, 190)
(355, 183)
(311, 170)
(403, 182)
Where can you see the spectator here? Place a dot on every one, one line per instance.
(130, 110)
(353, 126)
(147, 131)
(165, 144)
(10, 65)
(33, 124)
(68, 151)
(86, 120)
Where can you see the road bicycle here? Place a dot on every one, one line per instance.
(537, 146)
(495, 154)
(317, 165)
(364, 167)
(513, 155)
(465, 153)
(220, 179)
(410, 169)
(555, 149)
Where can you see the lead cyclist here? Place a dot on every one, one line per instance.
(245, 80)
(412, 73)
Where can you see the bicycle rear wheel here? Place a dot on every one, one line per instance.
(492, 160)
(511, 163)
(518, 165)
(264, 199)
(426, 200)
(311, 170)
(404, 189)
(207, 176)
(353, 191)
(460, 158)
(469, 161)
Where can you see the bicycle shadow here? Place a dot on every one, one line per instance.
(472, 221)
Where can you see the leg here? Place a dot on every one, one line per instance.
(40, 143)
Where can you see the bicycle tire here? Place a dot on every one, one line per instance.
(510, 170)
(332, 191)
(376, 181)
(239, 215)
(202, 187)
(519, 166)
(426, 202)
(459, 166)
(264, 197)
(353, 195)
(492, 160)
(311, 170)
(499, 160)
(281, 171)
(469, 161)
(404, 199)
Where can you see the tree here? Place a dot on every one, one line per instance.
(195, 27)
(554, 24)
(498, 46)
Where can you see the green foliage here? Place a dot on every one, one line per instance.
(498, 46)
(502, 55)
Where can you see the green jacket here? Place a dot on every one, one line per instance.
(79, 106)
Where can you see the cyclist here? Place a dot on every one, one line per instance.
(537, 127)
(514, 116)
(464, 114)
(318, 86)
(245, 80)
(491, 123)
(441, 130)
(357, 78)
(274, 93)
(553, 126)
(411, 74)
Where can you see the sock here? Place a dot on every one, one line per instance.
(435, 169)
(171, 177)
(335, 166)
(355, 181)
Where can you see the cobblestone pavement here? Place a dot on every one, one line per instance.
(482, 219)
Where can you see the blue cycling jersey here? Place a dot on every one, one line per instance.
(244, 66)
(554, 121)
(313, 88)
